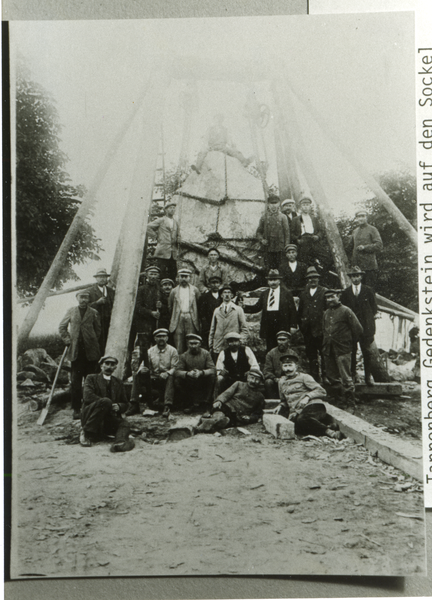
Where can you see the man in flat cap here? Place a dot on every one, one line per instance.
(227, 318)
(340, 330)
(272, 368)
(166, 229)
(292, 270)
(240, 404)
(80, 329)
(104, 402)
(273, 232)
(361, 300)
(233, 363)
(306, 232)
(102, 300)
(312, 305)
(212, 269)
(154, 379)
(365, 243)
(288, 208)
(166, 285)
(278, 310)
(183, 305)
(147, 312)
(207, 304)
(195, 375)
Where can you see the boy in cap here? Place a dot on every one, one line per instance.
(240, 404)
(102, 300)
(288, 207)
(361, 300)
(312, 305)
(166, 229)
(233, 363)
(183, 305)
(364, 244)
(195, 375)
(340, 330)
(207, 304)
(293, 271)
(302, 401)
(306, 232)
(272, 368)
(227, 318)
(80, 329)
(104, 402)
(273, 232)
(146, 314)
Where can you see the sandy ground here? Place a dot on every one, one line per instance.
(231, 504)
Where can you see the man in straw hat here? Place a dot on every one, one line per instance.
(80, 329)
(166, 229)
(183, 305)
(104, 402)
(361, 300)
(240, 404)
(102, 300)
(340, 328)
(312, 305)
(273, 232)
(365, 243)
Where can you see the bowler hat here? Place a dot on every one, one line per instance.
(274, 274)
(101, 272)
(289, 356)
(226, 287)
(355, 271)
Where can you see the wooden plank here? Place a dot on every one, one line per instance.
(379, 389)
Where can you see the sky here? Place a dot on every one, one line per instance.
(357, 70)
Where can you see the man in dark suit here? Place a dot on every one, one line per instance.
(102, 300)
(104, 402)
(207, 304)
(361, 300)
(293, 271)
(306, 232)
(278, 310)
(311, 309)
(288, 208)
(146, 314)
(80, 329)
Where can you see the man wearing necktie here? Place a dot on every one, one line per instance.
(361, 300)
(102, 300)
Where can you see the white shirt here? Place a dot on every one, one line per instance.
(215, 295)
(307, 225)
(103, 289)
(184, 299)
(276, 294)
(312, 291)
(220, 364)
(356, 289)
(293, 266)
(106, 377)
(170, 222)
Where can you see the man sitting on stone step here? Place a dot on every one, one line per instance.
(272, 368)
(233, 363)
(302, 401)
(240, 404)
(104, 402)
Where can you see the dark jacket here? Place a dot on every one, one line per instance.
(89, 327)
(206, 307)
(311, 310)
(201, 361)
(273, 366)
(95, 389)
(294, 281)
(104, 310)
(278, 231)
(364, 307)
(369, 237)
(286, 315)
(165, 313)
(242, 400)
(341, 328)
(296, 228)
(147, 296)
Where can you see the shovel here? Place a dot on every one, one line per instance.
(45, 410)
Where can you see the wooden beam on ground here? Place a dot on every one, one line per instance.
(402, 454)
(75, 227)
(379, 389)
(137, 217)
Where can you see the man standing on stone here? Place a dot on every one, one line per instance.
(207, 304)
(278, 310)
(146, 313)
(273, 232)
(233, 363)
(312, 306)
(293, 271)
(364, 244)
(183, 305)
(80, 329)
(227, 318)
(341, 328)
(195, 375)
(361, 300)
(104, 402)
(272, 368)
(306, 232)
(166, 229)
(102, 300)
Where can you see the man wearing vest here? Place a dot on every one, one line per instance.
(233, 363)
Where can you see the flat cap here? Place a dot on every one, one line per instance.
(287, 201)
(291, 247)
(305, 199)
(233, 335)
(331, 292)
(160, 331)
(289, 356)
(184, 271)
(193, 336)
(166, 280)
(257, 372)
(283, 334)
(108, 357)
(82, 293)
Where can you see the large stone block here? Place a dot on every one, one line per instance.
(279, 427)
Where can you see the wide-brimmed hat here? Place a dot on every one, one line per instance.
(355, 271)
(101, 272)
(312, 272)
(255, 371)
(233, 335)
(274, 274)
(193, 336)
(108, 357)
(160, 331)
(289, 356)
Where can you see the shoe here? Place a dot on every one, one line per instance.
(84, 440)
(123, 446)
(76, 415)
(166, 413)
(133, 409)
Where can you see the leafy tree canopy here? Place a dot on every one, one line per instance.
(46, 201)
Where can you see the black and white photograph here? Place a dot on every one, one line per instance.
(216, 348)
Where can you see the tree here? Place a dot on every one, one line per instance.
(46, 201)
(397, 262)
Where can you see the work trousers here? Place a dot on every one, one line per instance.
(184, 326)
(365, 347)
(192, 392)
(221, 148)
(80, 368)
(338, 370)
(147, 388)
(98, 419)
(313, 420)
(223, 382)
(271, 388)
(168, 268)
(313, 349)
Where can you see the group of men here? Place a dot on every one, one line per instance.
(187, 343)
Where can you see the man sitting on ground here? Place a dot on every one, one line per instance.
(302, 401)
(240, 404)
(195, 375)
(233, 363)
(272, 367)
(103, 404)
